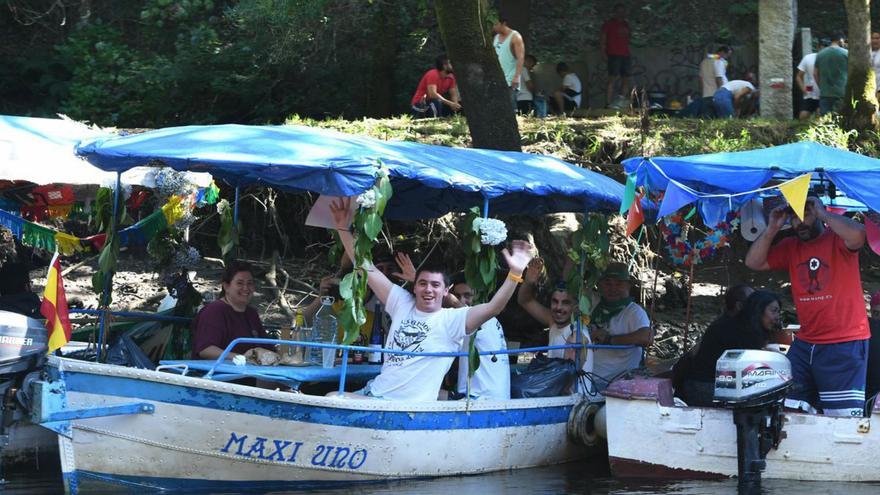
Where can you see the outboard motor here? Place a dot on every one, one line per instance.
(24, 343)
(753, 384)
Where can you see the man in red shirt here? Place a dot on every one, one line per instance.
(614, 40)
(428, 101)
(829, 354)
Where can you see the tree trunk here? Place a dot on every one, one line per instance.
(485, 94)
(775, 38)
(860, 104)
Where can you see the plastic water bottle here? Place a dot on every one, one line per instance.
(324, 331)
(377, 337)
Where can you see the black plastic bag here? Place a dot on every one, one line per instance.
(544, 377)
(126, 353)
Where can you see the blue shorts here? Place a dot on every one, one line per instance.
(830, 376)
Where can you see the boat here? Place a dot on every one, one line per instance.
(651, 434)
(172, 431)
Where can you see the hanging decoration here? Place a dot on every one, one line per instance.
(636, 216)
(35, 235)
(683, 252)
(795, 192)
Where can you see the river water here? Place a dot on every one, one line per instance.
(578, 478)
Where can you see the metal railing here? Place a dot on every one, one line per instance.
(347, 348)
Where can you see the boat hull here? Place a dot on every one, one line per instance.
(648, 436)
(204, 433)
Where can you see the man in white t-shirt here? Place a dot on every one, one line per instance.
(617, 320)
(525, 97)
(731, 97)
(556, 318)
(568, 97)
(807, 83)
(713, 74)
(419, 323)
(492, 379)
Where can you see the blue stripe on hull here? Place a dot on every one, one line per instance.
(140, 484)
(376, 420)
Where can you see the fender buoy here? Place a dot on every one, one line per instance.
(581, 426)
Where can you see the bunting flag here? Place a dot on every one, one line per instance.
(795, 192)
(173, 209)
(68, 244)
(628, 195)
(54, 307)
(636, 216)
(675, 198)
(872, 231)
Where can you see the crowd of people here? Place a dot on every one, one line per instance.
(830, 355)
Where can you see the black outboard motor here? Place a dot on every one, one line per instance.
(24, 343)
(753, 384)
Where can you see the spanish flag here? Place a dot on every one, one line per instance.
(54, 307)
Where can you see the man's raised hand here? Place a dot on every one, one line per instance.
(407, 268)
(778, 217)
(535, 268)
(341, 210)
(518, 256)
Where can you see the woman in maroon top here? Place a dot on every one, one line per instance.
(229, 317)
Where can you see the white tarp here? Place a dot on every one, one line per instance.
(42, 151)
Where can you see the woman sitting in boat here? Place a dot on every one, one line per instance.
(228, 318)
(753, 328)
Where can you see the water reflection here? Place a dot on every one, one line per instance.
(580, 478)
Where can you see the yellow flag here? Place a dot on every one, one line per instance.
(795, 192)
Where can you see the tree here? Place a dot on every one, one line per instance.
(860, 103)
(485, 94)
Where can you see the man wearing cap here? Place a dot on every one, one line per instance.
(617, 320)
(556, 318)
(829, 354)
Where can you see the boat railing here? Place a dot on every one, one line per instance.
(350, 348)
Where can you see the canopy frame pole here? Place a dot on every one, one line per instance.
(107, 289)
(577, 303)
(235, 209)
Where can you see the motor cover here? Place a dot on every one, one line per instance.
(747, 376)
(23, 341)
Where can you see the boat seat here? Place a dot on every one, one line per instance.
(640, 387)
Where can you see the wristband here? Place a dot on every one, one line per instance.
(516, 278)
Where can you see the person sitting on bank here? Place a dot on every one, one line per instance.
(429, 100)
(616, 320)
(735, 98)
(228, 318)
(419, 323)
(557, 318)
(753, 328)
(568, 97)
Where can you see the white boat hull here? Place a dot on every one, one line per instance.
(206, 434)
(650, 437)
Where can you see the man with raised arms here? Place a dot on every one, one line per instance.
(419, 323)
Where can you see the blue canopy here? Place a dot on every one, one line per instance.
(428, 181)
(855, 175)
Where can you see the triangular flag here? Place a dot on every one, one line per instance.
(795, 192)
(54, 307)
(872, 232)
(635, 217)
(675, 198)
(628, 194)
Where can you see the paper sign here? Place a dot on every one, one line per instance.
(320, 215)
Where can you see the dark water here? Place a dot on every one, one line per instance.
(579, 478)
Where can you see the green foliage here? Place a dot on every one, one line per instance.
(366, 226)
(827, 130)
(590, 246)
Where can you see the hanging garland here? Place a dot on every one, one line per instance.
(680, 250)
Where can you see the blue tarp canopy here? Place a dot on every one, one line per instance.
(855, 175)
(428, 181)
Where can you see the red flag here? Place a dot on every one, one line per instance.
(54, 307)
(636, 216)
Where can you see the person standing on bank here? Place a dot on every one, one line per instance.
(829, 355)
(614, 41)
(511, 51)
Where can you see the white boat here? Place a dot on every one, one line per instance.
(157, 429)
(649, 436)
